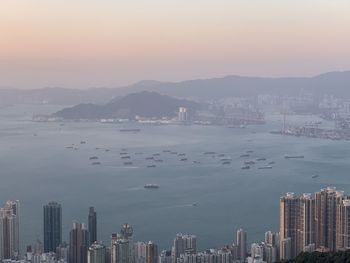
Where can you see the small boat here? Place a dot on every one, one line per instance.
(93, 158)
(226, 159)
(158, 160)
(196, 162)
(127, 163)
(138, 153)
(166, 151)
(151, 166)
(96, 163)
(249, 151)
(151, 186)
(227, 162)
(125, 157)
(181, 154)
(209, 153)
(315, 176)
(107, 150)
(82, 142)
(69, 147)
(244, 155)
(195, 204)
(173, 152)
(261, 159)
(245, 167)
(270, 163)
(221, 155)
(156, 154)
(265, 167)
(183, 159)
(130, 130)
(123, 153)
(249, 162)
(294, 156)
(149, 158)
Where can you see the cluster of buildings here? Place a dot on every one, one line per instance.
(310, 222)
(314, 222)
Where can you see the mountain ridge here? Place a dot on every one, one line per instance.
(336, 83)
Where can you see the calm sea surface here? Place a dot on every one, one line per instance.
(204, 198)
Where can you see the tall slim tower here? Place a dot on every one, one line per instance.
(305, 222)
(79, 243)
(242, 244)
(288, 222)
(13, 207)
(92, 224)
(52, 226)
(9, 233)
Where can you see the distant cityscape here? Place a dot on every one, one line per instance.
(232, 112)
(310, 222)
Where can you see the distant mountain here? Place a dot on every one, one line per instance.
(144, 104)
(335, 83)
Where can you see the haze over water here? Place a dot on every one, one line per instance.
(208, 199)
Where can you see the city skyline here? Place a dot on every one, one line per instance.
(308, 223)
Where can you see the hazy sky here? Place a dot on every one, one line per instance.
(89, 43)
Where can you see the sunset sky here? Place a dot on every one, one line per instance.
(94, 43)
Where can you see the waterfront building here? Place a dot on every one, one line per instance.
(183, 114)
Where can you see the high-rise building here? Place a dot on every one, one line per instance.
(120, 249)
(92, 224)
(9, 234)
(184, 243)
(242, 244)
(79, 243)
(288, 222)
(343, 225)
(151, 252)
(286, 249)
(140, 252)
(52, 226)
(62, 252)
(96, 253)
(325, 217)
(272, 238)
(306, 222)
(14, 206)
(1, 235)
(165, 257)
(182, 114)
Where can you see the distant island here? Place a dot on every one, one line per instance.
(144, 104)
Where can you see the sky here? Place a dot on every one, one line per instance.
(110, 43)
